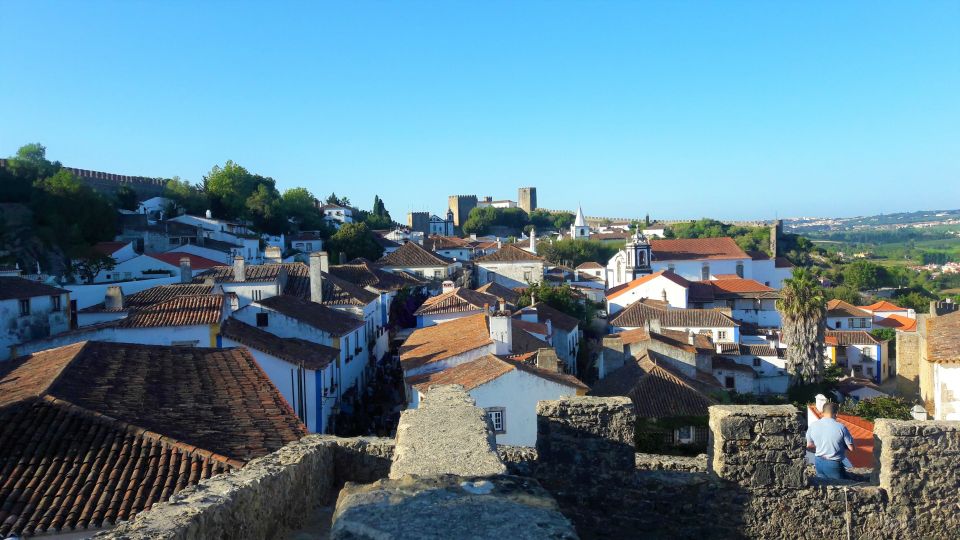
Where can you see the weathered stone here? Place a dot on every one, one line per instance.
(493, 508)
(447, 434)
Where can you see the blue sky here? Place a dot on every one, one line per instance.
(680, 109)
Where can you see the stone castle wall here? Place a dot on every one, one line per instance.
(753, 483)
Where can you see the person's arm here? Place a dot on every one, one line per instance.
(847, 438)
(810, 445)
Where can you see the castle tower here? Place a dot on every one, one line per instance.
(527, 199)
(461, 205)
(776, 231)
(579, 230)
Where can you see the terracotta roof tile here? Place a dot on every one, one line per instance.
(637, 314)
(321, 317)
(122, 447)
(153, 295)
(296, 351)
(412, 255)
(508, 253)
(882, 305)
(362, 273)
(178, 311)
(839, 308)
(507, 295)
(109, 248)
(729, 364)
(684, 249)
(458, 300)
(590, 265)
(446, 340)
(897, 322)
(943, 338)
(656, 390)
(849, 337)
(485, 369)
(629, 337)
(557, 318)
(15, 287)
(196, 262)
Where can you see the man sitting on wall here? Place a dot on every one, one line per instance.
(830, 441)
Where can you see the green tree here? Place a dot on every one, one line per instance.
(802, 308)
(378, 217)
(265, 210)
(126, 198)
(895, 408)
(561, 298)
(575, 252)
(480, 220)
(229, 187)
(90, 264)
(23, 169)
(354, 240)
(842, 292)
(192, 199)
(301, 206)
(70, 212)
(863, 275)
(339, 201)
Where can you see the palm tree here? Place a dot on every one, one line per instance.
(802, 308)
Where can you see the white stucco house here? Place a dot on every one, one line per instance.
(509, 266)
(940, 370)
(30, 310)
(414, 259)
(844, 316)
(859, 353)
(303, 371)
(508, 390)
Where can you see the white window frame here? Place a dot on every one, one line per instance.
(684, 434)
(498, 417)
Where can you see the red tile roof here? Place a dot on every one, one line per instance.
(862, 432)
(334, 322)
(82, 446)
(843, 338)
(178, 311)
(153, 295)
(637, 314)
(839, 308)
(458, 300)
(666, 274)
(883, 305)
(196, 262)
(446, 340)
(509, 253)
(109, 248)
(590, 265)
(656, 390)
(557, 318)
(943, 338)
(509, 296)
(412, 255)
(19, 288)
(485, 369)
(685, 249)
(294, 350)
(897, 322)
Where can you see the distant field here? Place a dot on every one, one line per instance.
(904, 253)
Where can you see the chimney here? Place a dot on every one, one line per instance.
(343, 258)
(501, 330)
(325, 262)
(692, 338)
(547, 360)
(186, 274)
(655, 326)
(114, 297)
(209, 214)
(820, 401)
(918, 412)
(239, 268)
(550, 330)
(316, 276)
(447, 286)
(533, 240)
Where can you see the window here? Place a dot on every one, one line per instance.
(55, 302)
(257, 296)
(756, 362)
(721, 334)
(127, 275)
(263, 319)
(729, 382)
(671, 268)
(24, 307)
(528, 276)
(495, 414)
(705, 272)
(183, 343)
(308, 246)
(867, 353)
(837, 325)
(437, 273)
(684, 434)
(870, 371)
(739, 269)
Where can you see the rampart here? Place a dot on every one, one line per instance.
(756, 483)
(109, 183)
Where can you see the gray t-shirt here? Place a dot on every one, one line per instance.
(830, 437)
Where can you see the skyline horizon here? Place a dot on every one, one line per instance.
(743, 111)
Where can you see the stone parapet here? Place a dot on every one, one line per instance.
(585, 436)
(758, 445)
(446, 434)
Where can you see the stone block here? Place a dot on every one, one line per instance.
(447, 434)
(585, 436)
(757, 446)
(491, 508)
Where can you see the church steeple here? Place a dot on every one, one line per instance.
(638, 254)
(580, 229)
